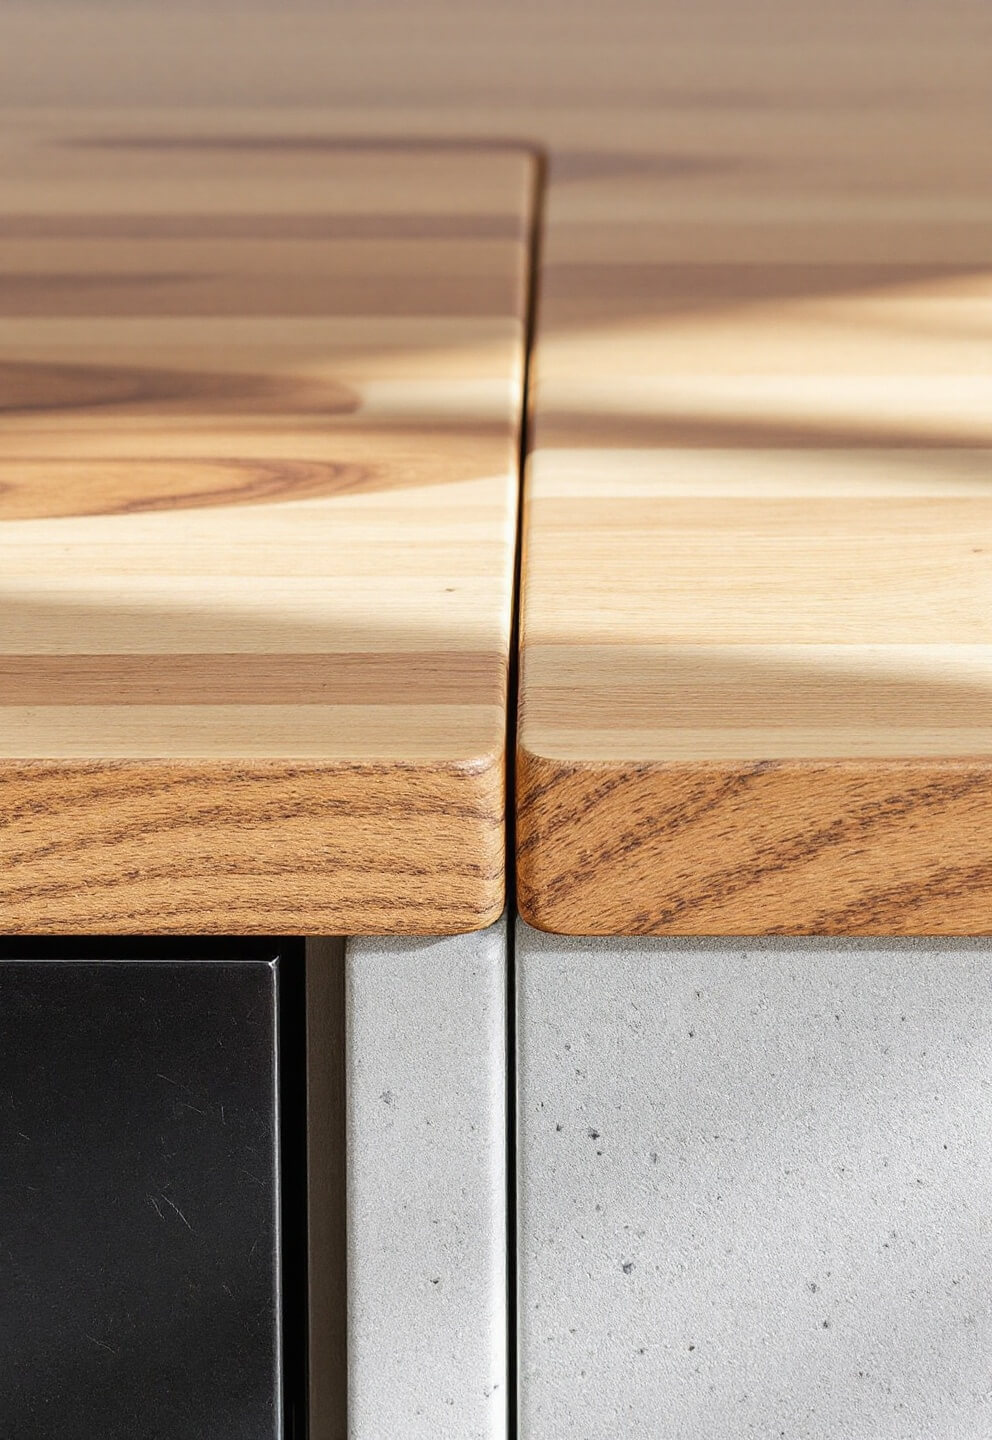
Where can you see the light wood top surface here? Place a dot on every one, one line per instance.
(757, 612)
(754, 578)
(259, 437)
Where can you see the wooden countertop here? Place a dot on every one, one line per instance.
(754, 571)
(756, 674)
(258, 486)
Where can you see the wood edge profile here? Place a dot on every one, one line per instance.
(221, 847)
(899, 847)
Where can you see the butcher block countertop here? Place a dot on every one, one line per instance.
(259, 426)
(756, 669)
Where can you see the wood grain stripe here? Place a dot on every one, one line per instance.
(458, 677)
(202, 293)
(284, 228)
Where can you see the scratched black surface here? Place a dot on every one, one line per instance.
(139, 1256)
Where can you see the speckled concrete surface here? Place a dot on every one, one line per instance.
(427, 1187)
(755, 1189)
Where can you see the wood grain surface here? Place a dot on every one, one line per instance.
(756, 674)
(757, 538)
(259, 432)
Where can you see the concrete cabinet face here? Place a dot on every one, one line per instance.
(754, 1183)
(139, 1193)
(427, 1188)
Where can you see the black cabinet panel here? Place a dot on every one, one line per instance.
(140, 1270)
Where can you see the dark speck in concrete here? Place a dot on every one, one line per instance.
(627, 1266)
(593, 1134)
